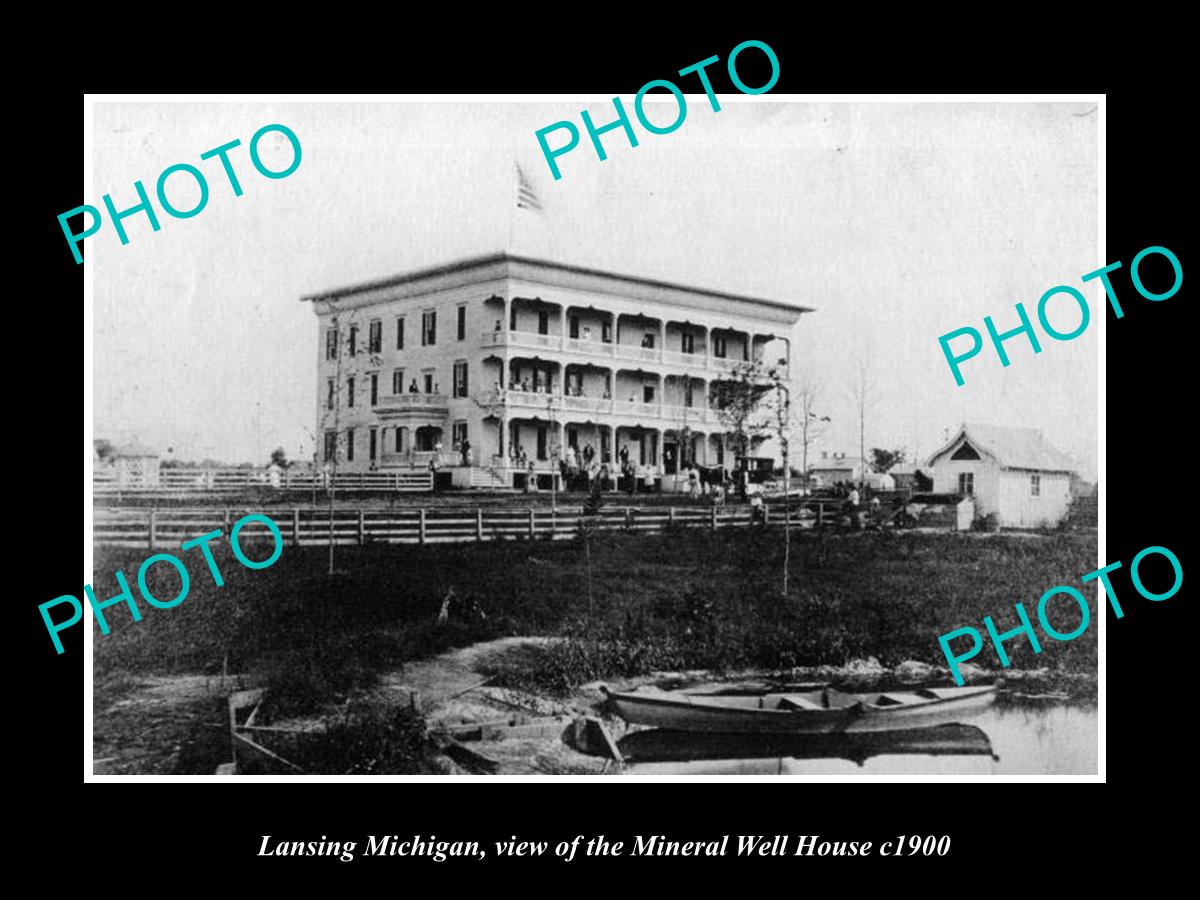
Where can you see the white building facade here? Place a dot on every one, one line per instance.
(1012, 473)
(521, 359)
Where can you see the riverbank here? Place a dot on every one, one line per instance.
(682, 602)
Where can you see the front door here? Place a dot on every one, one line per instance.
(541, 443)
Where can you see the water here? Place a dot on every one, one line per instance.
(1041, 740)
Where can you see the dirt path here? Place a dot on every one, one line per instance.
(451, 689)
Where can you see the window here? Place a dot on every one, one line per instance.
(719, 348)
(458, 433)
(1035, 485)
(541, 443)
(429, 381)
(573, 325)
(428, 328)
(397, 381)
(350, 391)
(460, 379)
(375, 336)
(462, 323)
(427, 437)
(373, 444)
(606, 332)
(349, 445)
(512, 317)
(647, 393)
(330, 445)
(374, 392)
(688, 342)
(687, 392)
(543, 322)
(401, 434)
(966, 483)
(331, 343)
(353, 348)
(400, 333)
(329, 394)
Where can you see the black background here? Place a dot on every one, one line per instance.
(203, 833)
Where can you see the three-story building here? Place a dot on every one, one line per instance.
(523, 358)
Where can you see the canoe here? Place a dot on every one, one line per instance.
(808, 712)
(659, 745)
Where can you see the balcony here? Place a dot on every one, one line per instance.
(725, 365)
(585, 404)
(528, 340)
(631, 351)
(670, 414)
(430, 404)
(591, 348)
(687, 360)
(522, 339)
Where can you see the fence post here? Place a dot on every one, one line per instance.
(714, 518)
(532, 531)
(228, 516)
(362, 527)
(670, 515)
(479, 524)
(287, 480)
(766, 514)
(153, 528)
(629, 517)
(421, 525)
(820, 515)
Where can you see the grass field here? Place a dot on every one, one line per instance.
(680, 600)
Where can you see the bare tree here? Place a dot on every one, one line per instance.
(349, 351)
(812, 424)
(863, 390)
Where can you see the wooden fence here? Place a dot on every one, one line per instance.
(167, 528)
(181, 482)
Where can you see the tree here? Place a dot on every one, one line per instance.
(279, 458)
(807, 397)
(349, 350)
(882, 460)
(104, 449)
(863, 390)
(739, 401)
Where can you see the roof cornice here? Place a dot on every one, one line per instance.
(507, 265)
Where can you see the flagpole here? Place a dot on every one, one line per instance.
(512, 207)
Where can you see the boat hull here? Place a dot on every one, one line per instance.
(683, 712)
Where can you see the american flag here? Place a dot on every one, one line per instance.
(527, 197)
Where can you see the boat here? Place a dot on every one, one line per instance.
(658, 745)
(808, 712)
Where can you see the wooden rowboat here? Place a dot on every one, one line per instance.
(808, 712)
(652, 745)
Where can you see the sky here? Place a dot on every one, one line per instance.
(895, 222)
